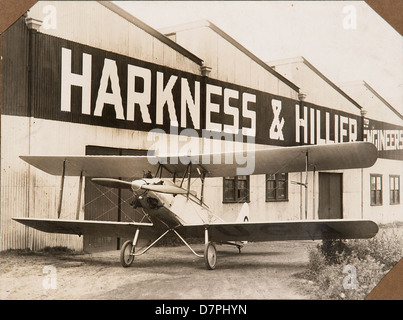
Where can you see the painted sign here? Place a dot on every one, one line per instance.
(77, 83)
(388, 138)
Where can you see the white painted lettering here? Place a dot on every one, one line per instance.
(69, 79)
(352, 129)
(109, 72)
(246, 113)
(344, 132)
(193, 105)
(164, 96)
(312, 127)
(143, 99)
(212, 107)
(301, 122)
(230, 110)
(276, 128)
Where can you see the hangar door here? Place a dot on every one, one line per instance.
(108, 204)
(330, 195)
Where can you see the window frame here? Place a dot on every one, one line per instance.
(236, 191)
(278, 177)
(394, 194)
(373, 198)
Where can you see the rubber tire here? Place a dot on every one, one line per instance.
(210, 256)
(125, 259)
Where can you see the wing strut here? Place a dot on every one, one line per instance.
(188, 173)
(59, 208)
(189, 177)
(202, 177)
(80, 187)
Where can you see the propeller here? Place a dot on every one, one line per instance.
(116, 183)
(164, 189)
(112, 183)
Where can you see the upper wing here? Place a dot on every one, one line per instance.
(262, 161)
(86, 227)
(284, 230)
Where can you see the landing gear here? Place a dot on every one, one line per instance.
(127, 254)
(127, 251)
(210, 255)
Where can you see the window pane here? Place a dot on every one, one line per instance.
(378, 199)
(373, 183)
(242, 190)
(270, 177)
(281, 191)
(392, 183)
(229, 190)
(373, 198)
(378, 183)
(271, 190)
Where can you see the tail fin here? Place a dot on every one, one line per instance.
(243, 215)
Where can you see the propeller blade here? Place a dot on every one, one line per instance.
(164, 189)
(112, 183)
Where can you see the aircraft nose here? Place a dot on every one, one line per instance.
(136, 185)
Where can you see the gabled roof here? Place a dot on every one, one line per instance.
(206, 23)
(156, 34)
(301, 59)
(376, 94)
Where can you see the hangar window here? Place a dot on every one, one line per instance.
(394, 189)
(277, 187)
(236, 189)
(376, 190)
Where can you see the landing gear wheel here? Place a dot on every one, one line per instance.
(126, 254)
(210, 256)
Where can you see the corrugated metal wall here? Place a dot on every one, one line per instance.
(30, 79)
(15, 57)
(14, 178)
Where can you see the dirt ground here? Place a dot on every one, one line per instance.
(267, 270)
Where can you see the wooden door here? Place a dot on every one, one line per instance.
(330, 195)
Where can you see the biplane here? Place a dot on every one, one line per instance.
(170, 205)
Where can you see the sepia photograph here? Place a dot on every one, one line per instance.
(201, 154)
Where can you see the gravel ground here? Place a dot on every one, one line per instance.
(267, 270)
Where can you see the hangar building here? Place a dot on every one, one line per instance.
(87, 78)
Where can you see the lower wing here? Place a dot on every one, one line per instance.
(284, 230)
(220, 232)
(86, 227)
